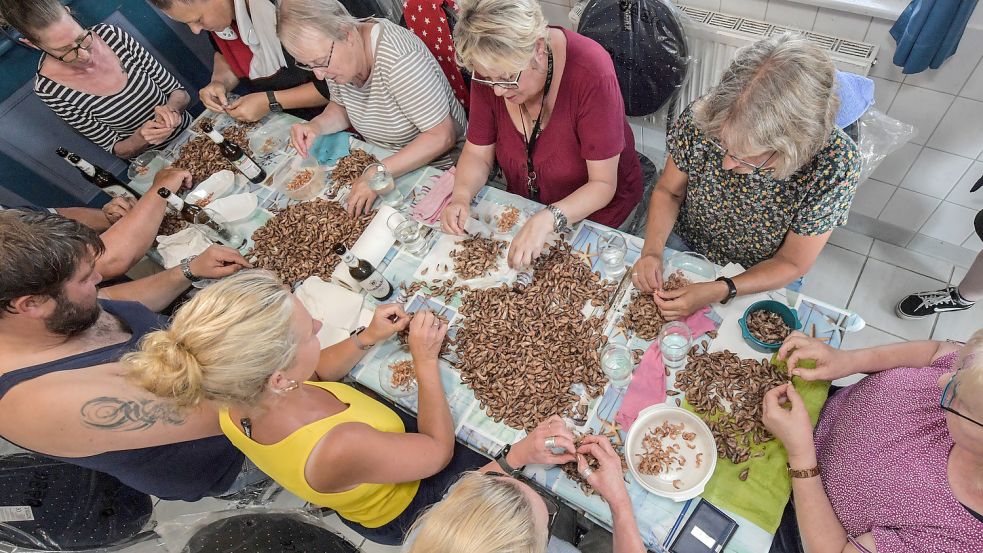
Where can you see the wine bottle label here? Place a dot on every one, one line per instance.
(377, 286)
(247, 167)
(86, 167)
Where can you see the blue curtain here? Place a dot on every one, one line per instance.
(928, 32)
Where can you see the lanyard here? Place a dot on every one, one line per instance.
(531, 140)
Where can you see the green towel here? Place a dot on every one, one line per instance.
(762, 497)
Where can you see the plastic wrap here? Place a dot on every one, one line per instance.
(48, 505)
(646, 41)
(879, 136)
(389, 9)
(252, 531)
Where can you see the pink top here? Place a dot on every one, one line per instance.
(883, 448)
(588, 122)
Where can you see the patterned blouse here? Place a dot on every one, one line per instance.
(735, 218)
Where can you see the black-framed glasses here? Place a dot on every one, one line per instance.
(507, 85)
(741, 161)
(306, 67)
(948, 395)
(84, 43)
(552, 507)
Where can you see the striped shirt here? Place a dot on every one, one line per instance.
(106, 120)
(405, 95)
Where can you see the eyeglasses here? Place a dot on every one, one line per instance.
(552, 507)
(743, 162)
(84, 43)
(507, 85)
(306, 67)
(948, 395)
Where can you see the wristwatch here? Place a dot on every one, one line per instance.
(275, 106)
(358, 343)
(559, 219)
(805, 473)
(500, 459)
(186, 269)
(731, 289)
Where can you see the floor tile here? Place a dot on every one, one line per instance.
(959, 325)
(871, 197)
(909, 210)
(893, 168)
(833, 276)
(166, 511)
(961, 256)
(869, 337)
(916, 262)
(853, 241)
(880, 287)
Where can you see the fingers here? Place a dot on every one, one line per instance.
(298, 136)
(213, 98)
(794, 398)
(773, 397)
(454, 220)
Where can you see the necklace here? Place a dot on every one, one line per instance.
(531, 139)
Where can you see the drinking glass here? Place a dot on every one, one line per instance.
(382, 183)
(407, 232)
(612, 249)
(675, 339)
(617, 364)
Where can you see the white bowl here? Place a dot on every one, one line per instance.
(386, 375)
(217, 185)
(694, 479)
(235, 207)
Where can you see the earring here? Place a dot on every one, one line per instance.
(288, 388)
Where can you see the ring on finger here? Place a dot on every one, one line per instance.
(551, 442)
(585, 474)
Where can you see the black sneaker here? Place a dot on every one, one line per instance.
(923, 304)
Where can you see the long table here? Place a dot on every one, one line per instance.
(656, 516)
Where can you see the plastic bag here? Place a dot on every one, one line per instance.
(646, 42)
(252, 530)
(388, 9)
(880, 136)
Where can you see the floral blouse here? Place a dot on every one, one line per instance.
(735, 218)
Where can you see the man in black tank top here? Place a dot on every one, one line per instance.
(63, 392)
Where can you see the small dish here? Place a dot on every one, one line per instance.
(236, 207)
(386, 378)
(695, 267)
(267, 140)
(300, 179)
(691, 479)
(214, 187)
(788, 316)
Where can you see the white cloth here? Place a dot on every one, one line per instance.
(338, 309)
(185, 243)
(256, 20)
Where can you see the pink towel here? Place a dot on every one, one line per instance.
(648, 386)
(427, 209)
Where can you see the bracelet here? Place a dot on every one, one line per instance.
(186, 269)
(358, 343)
(500, 459)
(802, 473)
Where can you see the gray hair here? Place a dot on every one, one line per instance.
(296, 19)
(778, 94)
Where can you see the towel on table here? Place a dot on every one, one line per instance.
(427, 209)
(648, 386)
(182, 244)
(329, 148)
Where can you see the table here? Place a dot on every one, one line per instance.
(656, 516)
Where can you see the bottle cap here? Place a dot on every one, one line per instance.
(339, 249)
(61, 152)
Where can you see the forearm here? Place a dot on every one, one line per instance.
(585, 200)
(131, 147)
(434, 416)
(222, 73)
(332, 120)
(92, 218)
(337, 360)
(663, 210)
(303, 96)
(904, 354)
(129, 239)
(178, 100)
(155, 292)
(423, 149)
(770, 274)
(471, 174)
(819, 528)
(627, 539)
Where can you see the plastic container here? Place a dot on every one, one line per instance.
(300, 179)
(268, 139)
(693, 479)
(217, 186)
(783, 311)
(695, 267)
(385, 379)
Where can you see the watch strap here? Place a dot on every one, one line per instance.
(186, 269)
(803, 473)
(559, 219)
(274, 105)
(731, 289)
(500, 459)
(358, 343)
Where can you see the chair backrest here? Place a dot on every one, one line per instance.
(433, 22)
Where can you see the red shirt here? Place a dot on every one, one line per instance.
(588, 123)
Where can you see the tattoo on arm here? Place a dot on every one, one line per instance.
(113, 413)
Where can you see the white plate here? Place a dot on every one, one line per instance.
(217, 185)
(236, 207)
(694, 479)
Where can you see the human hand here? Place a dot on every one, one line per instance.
(792, 426)
(172, 179)
(116, 208)
(153, 132)
(608, 479)
(218, 262)
(388, 320)
(214, 96)
(249, 108)
(532, 449)
(831, 363)
(530, 241)
(302, 136)
(647, 273)
(427, 334)
(361, 198)
(167, 117)
(681, 303)
(455, 216)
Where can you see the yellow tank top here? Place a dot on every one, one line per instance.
(371, 505)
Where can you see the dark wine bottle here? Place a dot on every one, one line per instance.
(367, 276)
(197, 215)
(236, 155)
(98, 176)
(68, 157)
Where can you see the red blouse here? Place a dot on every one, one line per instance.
(588, 123)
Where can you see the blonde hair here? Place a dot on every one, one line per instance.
(223, 345)
(971, 375)
(778, 94)
(500, 34)
(296, 20)
(481, 514)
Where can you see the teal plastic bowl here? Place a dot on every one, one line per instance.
(783, 311)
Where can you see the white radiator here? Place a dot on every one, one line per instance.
(713, 37)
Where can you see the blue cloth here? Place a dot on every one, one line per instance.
(856, 96)
(329, 148)
(928, 32)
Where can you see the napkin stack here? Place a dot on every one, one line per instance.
(340, 310)
(180, 245)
